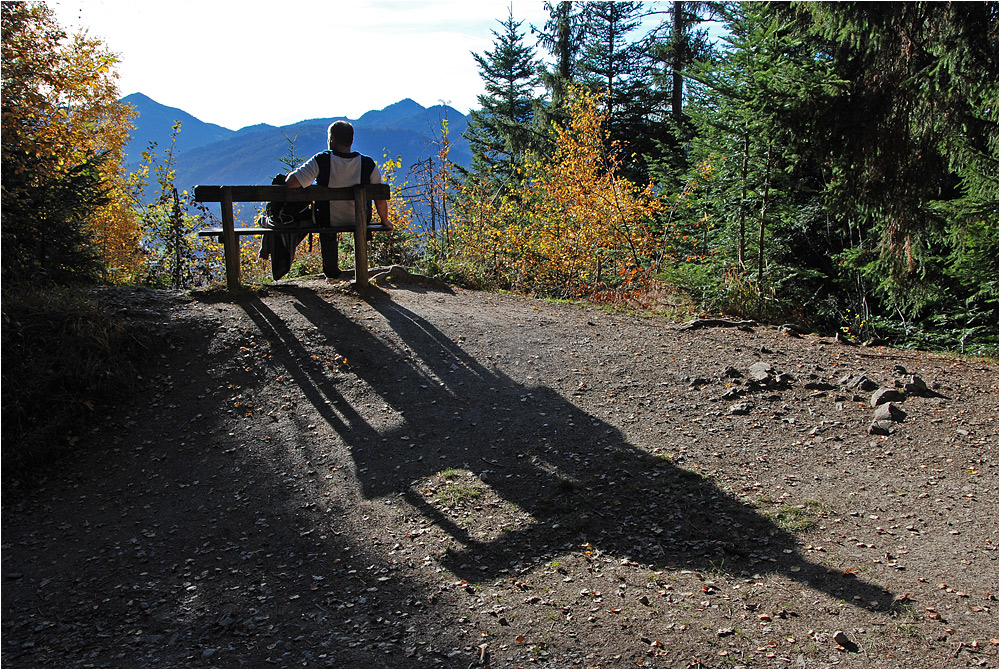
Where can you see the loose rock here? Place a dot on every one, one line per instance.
(880, 428)
(915, 386)
(858, 381)
(884, 395)
(889, 412)
(761, 372)
(739, 409)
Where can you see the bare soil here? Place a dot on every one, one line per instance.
(428, 477)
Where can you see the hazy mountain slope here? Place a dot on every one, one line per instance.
(210, 154)
(154, 124)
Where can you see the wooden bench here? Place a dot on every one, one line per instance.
(230, 234)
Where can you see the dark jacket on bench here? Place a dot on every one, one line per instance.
(281, 249)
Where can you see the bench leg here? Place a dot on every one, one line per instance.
(230, 243)
(360, 243)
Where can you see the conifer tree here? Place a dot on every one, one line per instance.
(611, 63)
(500, 131)
(679, 45)
(561, 38)
(688, 44)
(912, 141)
(852, 154)
(918, 114)
(755, 181)
(610, 60)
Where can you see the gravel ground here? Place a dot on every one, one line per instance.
(430, 477)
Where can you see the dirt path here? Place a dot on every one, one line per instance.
(427, 478)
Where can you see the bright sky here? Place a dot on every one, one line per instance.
(240, 62)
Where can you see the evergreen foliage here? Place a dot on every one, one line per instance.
(561, 38)
(612, 63)
(675, 48)
(911, 139)
(501, 131)
(831, 163)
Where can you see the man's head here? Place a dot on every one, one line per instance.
(341, 135)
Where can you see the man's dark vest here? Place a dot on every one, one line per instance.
(322, 209)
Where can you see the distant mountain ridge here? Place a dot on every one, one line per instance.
(155, 122)
(210, 154)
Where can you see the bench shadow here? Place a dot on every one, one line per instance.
(576, 478)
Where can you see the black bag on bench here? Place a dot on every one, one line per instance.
(286, 214)
(283, 216)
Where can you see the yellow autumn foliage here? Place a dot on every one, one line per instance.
(573, 227)
(65, 106)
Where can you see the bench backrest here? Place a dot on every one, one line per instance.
(286, 194)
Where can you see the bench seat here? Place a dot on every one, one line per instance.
(217, 232)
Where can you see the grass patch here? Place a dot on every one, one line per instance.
(454, 491)
(690, 475)
(796, 518)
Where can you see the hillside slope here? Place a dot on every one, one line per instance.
(155, 121)
(209, 154)
(421, 478)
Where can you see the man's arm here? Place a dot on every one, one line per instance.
(291, 181)
(382, 207)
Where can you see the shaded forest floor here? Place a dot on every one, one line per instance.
(445, 478)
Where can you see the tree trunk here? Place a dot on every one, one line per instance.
(678, 38)
(760, 236)
(743, 202)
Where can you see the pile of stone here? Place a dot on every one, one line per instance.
(761, 377)
(885, 400)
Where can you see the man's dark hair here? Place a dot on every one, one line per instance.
(342, 133)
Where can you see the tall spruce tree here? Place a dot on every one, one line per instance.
(756, 179)
(612, 63)
(561, 38)
(919, 108)
(501, 130)
(609, 60)
(677, 46)
(854, 161)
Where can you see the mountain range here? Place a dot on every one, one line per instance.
(210, 154)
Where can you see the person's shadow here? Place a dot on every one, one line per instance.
(576, 478)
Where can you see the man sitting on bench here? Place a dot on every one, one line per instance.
(337, 168)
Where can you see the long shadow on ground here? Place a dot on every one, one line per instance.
(577, 477)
